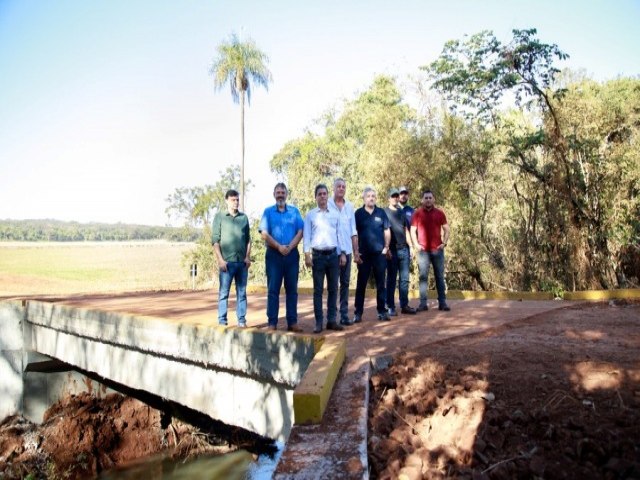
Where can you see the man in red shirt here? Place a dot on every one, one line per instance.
(429, 235)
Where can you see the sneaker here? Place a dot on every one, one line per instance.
(334, 326)
(392, 312)
(242, 325)
(422, 308)
(346, 322)
(384, 317)
(357, 318)
(294, 328)
(272, 327)
(444, 308)
(408, 310)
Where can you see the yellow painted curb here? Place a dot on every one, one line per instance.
(312, 394)
(623, 293)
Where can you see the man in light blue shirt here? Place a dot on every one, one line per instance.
(323, 255)
(347, 242)
(281, 228)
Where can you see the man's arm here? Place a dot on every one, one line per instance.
(445, 236)
(222, 264)
(387, 240)
(414, 238)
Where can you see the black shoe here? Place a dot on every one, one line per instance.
(334, 326)
(346, 322)
(384, 317)
(357, 318)
(317, 330)
(422, 308)
(444, 308)
(392, 312)
(409, 310)
(294, 328)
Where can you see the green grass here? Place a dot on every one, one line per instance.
(90, 267)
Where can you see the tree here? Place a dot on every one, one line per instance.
(239, 64)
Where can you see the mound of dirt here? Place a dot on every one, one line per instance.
(552, 396)
(84, 435)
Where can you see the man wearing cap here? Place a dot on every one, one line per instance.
(232, 245)
(430, 234)
(372, 225)
(398, 256)
(281, 228)
(322, 253)
(404, 203)
(347, 242)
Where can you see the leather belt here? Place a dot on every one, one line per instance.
(329, 251)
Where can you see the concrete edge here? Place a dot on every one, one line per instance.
(311, 396)
(620, 294)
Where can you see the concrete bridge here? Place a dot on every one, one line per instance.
(250, 378)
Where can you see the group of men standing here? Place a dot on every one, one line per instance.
(334, 235)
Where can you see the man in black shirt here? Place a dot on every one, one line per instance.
(372, 225)
(398, 257)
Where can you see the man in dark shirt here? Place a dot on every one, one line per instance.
(398, 257)
(430, 234)
(372, 225)
(404, 203)
(232, 244)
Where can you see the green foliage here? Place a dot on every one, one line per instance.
(543, 196)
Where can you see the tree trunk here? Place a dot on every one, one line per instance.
(242, 152)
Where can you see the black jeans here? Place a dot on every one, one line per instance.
(378, 263)
(325, 265)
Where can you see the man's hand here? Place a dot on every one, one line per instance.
(284, 250)
(357, 258)
(222, 265)
(343, 259)
(247, 262)
(441, 246)
(308, 260)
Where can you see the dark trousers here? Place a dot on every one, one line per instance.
(279, 269)
(345, 276)
(378, 263)
(325, 266)
(399, 263)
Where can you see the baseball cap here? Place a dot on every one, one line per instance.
(393, 191)
(403, 189)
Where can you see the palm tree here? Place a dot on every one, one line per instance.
(240, 64)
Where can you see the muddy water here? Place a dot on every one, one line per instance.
(83, 436)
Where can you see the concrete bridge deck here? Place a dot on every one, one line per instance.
(336, 448)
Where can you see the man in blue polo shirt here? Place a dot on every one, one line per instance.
(281, 228)
(374, 237)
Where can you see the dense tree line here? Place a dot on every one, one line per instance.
(541, 189)
(59, 231)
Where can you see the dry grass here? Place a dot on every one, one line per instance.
(90, 267)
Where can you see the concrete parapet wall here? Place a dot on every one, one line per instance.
(282, 359)
(11, 358)
(620, 294)
(311, 396)
(243, 377)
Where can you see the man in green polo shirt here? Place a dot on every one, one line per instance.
(232, 243)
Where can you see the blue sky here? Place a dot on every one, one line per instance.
(107, 106)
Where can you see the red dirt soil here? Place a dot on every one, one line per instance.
(556, 395)
(84, 435)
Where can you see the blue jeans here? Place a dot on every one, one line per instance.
(437, 259)
(325, 266)
(345, 276)
(378, 263)
(282, 268)
(238, 272)
(398, 264)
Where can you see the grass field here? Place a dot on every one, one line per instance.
(52, 268)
